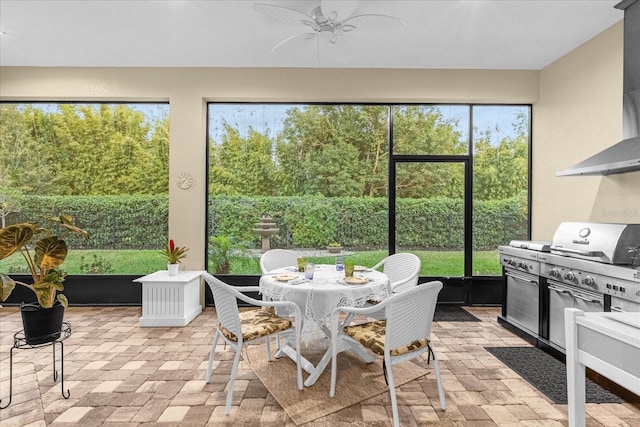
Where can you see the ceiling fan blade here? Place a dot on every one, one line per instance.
(281, 13)
(372, 22)
(296, 41)
(342, 9)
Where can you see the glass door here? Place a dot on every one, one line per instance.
(430, 215)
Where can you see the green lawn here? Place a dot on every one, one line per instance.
(434, 263)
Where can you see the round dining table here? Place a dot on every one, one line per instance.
(318, 297)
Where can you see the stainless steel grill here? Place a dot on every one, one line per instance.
(591, 266)
(595, 257)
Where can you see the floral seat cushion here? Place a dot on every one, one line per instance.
(256, 324)
(372, 334)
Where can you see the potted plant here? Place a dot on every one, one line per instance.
(174, 255)
(334, 247)
(42, 244)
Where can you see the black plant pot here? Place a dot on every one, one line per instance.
(41, 325)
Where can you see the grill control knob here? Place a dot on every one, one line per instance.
(512, 262)
(570, 276)
(554, 272)
(522, 264)
(589, 281)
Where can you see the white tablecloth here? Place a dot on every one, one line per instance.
(327, 290)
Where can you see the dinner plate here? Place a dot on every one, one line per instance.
(356, 280)
(284, 277)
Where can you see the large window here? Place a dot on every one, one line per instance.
(104, 164)
(500, 180)
(324, 173)
(319, 171)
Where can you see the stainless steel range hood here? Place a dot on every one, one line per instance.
(625, 155)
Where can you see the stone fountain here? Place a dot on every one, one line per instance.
(266, 228)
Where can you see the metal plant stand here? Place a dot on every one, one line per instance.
(20, 342)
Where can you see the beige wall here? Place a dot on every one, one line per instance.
(579, 114)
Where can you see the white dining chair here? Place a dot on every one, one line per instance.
(277, 258)
(402, 269)
(404, 334)
(242, 328)
(272, 260)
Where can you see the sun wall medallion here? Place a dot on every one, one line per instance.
(185, 181)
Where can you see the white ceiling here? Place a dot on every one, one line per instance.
(481, 34)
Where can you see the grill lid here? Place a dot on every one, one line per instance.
(602, 242)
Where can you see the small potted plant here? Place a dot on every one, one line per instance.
(334, 247)
(44, 249)
(174, 255)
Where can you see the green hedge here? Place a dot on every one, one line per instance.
(311, 222)
(140, 222)
(113, 222)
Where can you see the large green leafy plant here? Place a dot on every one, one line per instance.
(44, 249)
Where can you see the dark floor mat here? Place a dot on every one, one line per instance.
(453, 313)
(547, 374)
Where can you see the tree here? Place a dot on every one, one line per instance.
(334, 150)
(9, 203)
(501, 169)
(22, 164)
(83, 149)
(239, 166)
(419, 129)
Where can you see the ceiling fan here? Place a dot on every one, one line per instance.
(329, 22)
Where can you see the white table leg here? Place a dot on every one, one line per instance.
(576, 393)
(326, 358)
(315, 371)
(287, 350)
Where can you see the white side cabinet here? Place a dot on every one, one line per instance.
(170, 300)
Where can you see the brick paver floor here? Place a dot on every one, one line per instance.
(120, 374)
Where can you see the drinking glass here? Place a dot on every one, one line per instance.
(301, 264)
(308, 271)
(339, 262)
(349, 264)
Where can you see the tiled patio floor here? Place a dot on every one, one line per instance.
(119, 374)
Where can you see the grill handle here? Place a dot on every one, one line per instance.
(617, 309)
(523, 279)
(558, 290)
(577, 251)
(587, 299)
